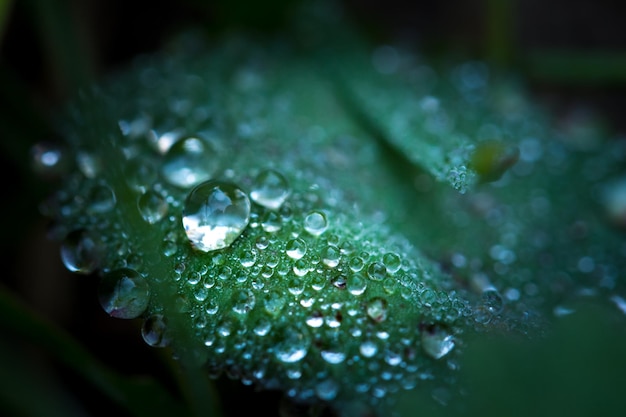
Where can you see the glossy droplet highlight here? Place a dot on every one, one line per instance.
(152, 206)
(270, 189)
(293, 346)
(215, 214)
(124, 293)
(154, 331)
(79, 253)
(315, 223)
(189, 162)
(436, 341)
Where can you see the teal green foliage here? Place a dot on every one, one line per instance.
(432, 223)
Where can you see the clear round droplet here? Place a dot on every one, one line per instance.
(124, 293)
(392, 262)
(295, 248)
(327, 390)
(270, 189)
(293, 346)
(243, 301)
(101, 199)
(48, 159)
(357, 284)
(79, 253)
(492, 301)
(154, 331)
(315, 223)
(215, 214)
(152, 206)
(436, 341)
(189, 162)
(377, 271)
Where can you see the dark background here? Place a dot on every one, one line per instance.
(520, 36)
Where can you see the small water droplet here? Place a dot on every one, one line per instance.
(215, 214)
(377, 309)
(270, 189)
(189, 162)
(293, 346)
(436, 341)
(315, 223)
(124, 293)
(315, 319)
(271, 222)
(392, 262)
(89, 164)
(140, 173)
(368, 348)
(357, 285)
(79, 252)
(377, 271)
(101, 199)
(492, 301)
(274, 302)
(48, 159)
(327, 390)
(154, 331)
(243, 301)
(152, 206)
(331, 256)
(295, 248)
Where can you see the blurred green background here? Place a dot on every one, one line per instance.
(572, 53)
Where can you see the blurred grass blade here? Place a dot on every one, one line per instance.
(143, 397)
(578, 67)
(60, 36)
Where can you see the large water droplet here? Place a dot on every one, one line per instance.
(124, 293)
(152, 206)
(436, 341)
(215, 214)
(189, 162)
(79, 252)
(101, 199)
(270, 189)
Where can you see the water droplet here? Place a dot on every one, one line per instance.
(80, 253)
(357, 285)
(270, 189)
(243, 301)
(189, 162)
(124, 293)
(331, 255)
(392, 262)
(140, 173)
(154, 331)
(89, 164)
(101, 199)
(368, 348)
(377, 309)
(315, 223)
(327, 390)
(293, 346)
(271, 222)
(377, 271)
(334, 355)
(492, 301)
(315, 319)
(215, 214)
(48, 159)
(436, 341)
(295, 248)
(274, 302)
(152, 206)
